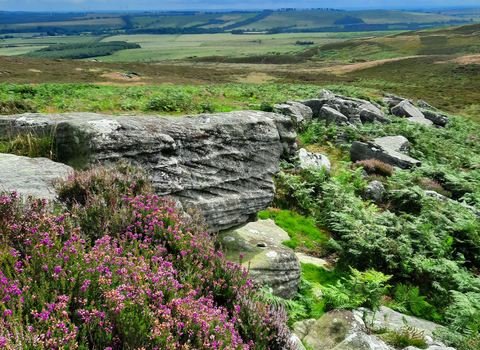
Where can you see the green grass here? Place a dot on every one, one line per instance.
(172, 47)
(317, 274)
(302, 231)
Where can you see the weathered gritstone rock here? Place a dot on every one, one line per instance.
(375, 191)
(223, 163)
(396, 143)
(386, 317)
(392, 100)
(341, 330)
(270, 262)
(423, 104)
(407, 110)
(420, 120)
(437, 118)
(308, 159)
(356, 111)
(386, 154)
(298, 112)
(30, 176)
(331, 115)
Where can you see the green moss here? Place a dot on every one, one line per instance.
(301, 230)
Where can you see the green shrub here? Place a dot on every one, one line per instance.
(360, 289)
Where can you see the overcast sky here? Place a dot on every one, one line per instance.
(118, 5)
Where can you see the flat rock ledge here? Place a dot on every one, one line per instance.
(372, 150)
(30, 176)
(222, 163)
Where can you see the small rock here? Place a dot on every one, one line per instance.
(308, 159)
(331, 115)
(375, 191)
(407, 110)
(270, 262)
(297, 342)
(420, 120)
(423, 104)
(298, 112)
(437, 118)
(326, 94)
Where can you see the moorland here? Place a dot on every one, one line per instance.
(425, 249)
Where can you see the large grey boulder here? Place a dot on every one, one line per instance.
(407, 110)
(222, 163)
(437, 118)
(308, 159)
(30, 176)
(331, 115)
(270, 262)
(342, 330)
(371, 150)
(395, 143)
(298, 112)
(375, 191)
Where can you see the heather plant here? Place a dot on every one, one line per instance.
(96, 196)
(155, 284)
(374, 167)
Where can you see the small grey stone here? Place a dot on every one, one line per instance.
(297, 342)
(308, 159)
(423, 104)
(270, 262)
(375, 191)
(331, 115)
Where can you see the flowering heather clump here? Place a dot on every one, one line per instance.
(374, 166)
(428, 184)
(154, 285)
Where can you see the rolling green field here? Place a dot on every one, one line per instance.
(174, 47)
(25, 44)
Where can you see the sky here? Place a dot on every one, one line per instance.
(121, 5)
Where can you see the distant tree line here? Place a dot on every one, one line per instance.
(349, 20)
(299, 42)
(83, 50)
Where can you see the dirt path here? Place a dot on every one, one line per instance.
(467, 59)
(357, 66)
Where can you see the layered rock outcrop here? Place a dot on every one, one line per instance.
(222, 163)
(389, 149)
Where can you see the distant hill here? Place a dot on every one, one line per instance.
(317, 20)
